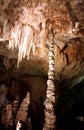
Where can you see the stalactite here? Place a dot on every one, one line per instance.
(43, 38)
(26, 43)
(15, 35)
(6, 30)
(26, 38)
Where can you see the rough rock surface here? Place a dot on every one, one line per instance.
(67, 18)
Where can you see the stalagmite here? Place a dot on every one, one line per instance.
(9, 116)
(23, 110)
(15, 106)
(50, 117)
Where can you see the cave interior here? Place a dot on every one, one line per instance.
(24, 65)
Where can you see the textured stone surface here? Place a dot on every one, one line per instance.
(67, 18)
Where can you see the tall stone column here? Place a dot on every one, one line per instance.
(50, 117)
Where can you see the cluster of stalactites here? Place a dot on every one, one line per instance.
(26, 38)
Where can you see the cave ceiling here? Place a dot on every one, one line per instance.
(17, 17)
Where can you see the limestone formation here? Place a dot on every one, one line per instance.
(22, 112)
(25, 49)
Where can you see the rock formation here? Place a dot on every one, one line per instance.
(24, 48)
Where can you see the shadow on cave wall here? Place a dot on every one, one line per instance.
(70, 107)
